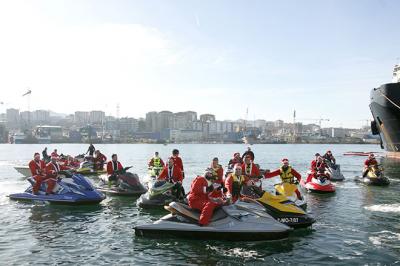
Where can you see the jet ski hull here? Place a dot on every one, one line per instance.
(382, 181)
(315, 187)
(228, 223)
(57, 199)
(336, 174)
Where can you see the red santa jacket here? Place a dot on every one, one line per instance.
(110, 167)
(198, 190)
(251, 171)
(178, 162)
(220, 173)
(175, 173)
(37, 168)
(52, 169)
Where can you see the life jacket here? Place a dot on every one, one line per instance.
(157, 162)
(286, 176)
(236, 185)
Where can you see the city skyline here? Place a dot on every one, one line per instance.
(320, 59)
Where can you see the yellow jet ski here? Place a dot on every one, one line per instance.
(289, 190)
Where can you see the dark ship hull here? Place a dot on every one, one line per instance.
(385, 108)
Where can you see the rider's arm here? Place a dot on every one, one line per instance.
(272, 174)
(296, 174)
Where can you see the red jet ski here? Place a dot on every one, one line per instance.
(318, 184)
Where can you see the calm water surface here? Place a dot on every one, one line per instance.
(357, 225)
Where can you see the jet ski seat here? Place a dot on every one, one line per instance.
(193, 214)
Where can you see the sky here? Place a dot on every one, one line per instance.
(320, 58)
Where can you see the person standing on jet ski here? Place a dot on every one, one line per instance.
(249, 169)
(156, 161)
(173, 174)
(248, 152)
(236, 159)
(45, 156)
(91, 150)
(113, 168)
(199, 196)
(234, 183)
(99, 161)
(52, 173)
(287, 174)
(177, 160)
(371, 161)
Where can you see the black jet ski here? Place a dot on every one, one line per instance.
(375, 177)
(278, 206)
(234, 222)
(127, 184)
(334, 171)
(160, 193)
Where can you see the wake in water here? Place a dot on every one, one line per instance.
(384, 208)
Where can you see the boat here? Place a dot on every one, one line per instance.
(278, 206)
(320, 184)
(385, 109)
(234, 222)
(288, 190)
(375, 177)
(23, 170)
(72, 189)
(128, 184)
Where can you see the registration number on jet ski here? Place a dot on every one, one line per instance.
(288, 220)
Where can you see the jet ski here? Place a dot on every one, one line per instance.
(152, 174)
(87, 168)
(128, 184)
(72, 189)
(319, 184)
(160, 193)
(334, 172)
(234, 222)
(278, 206)
(375, 177)
(289, 191)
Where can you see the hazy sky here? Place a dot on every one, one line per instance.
(318, 57)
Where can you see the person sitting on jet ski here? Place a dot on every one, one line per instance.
(314, 162)
(156, 161)
(54, 153)
(249, 169)
(329, 157)
(248, 152)
(287, 174)
(99, 161)
(319, 170)
(199, 196)
(370, 162)
(38, 168)
(71, 162)
(177, 160)
(113, 168)
(52, 173)
(236, 159)
(234, 183)
(173, 174)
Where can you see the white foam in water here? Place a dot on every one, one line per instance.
(384, 207)
(384, 237)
